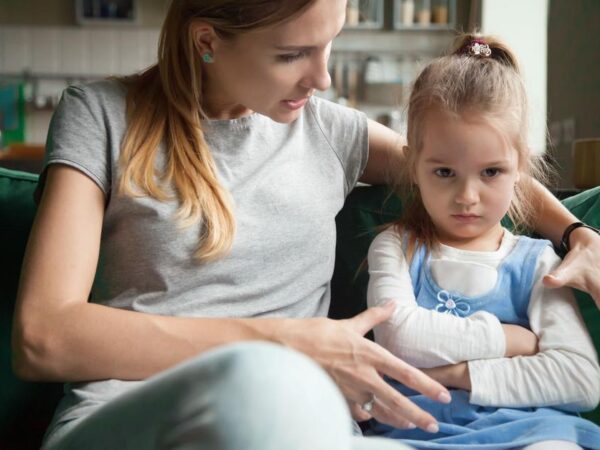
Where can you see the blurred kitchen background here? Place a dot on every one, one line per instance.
(46, 45)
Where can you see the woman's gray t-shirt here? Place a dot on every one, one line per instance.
(287, 182)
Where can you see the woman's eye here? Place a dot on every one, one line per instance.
(444, 172)
(290, 57)
(491, 172)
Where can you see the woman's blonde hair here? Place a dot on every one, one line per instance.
(460, 84)
(164, 105)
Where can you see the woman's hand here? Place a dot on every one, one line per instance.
(452, 375)
(580, 268)
(357, 364)
(520, 341)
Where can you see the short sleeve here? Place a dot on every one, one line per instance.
(346, 131)
(79, 135)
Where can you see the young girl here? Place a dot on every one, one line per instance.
(467, 290)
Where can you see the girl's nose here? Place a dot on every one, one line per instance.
(467, 193)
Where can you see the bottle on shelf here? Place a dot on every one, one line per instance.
(407, 12)
(439, 12)
(352, 13)
(424, 12)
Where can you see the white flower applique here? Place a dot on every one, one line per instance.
(451, 305)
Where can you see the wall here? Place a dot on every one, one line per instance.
(41, 37)
(573, 77)
(49, 58)
(523, 25)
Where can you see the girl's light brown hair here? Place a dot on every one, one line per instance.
(164, 105)
(464, 84)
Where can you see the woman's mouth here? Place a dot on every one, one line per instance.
(295, 104)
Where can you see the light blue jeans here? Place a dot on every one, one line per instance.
(247, 396)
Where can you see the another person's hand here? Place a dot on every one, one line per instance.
(520, 341)
(580, 268)
(357, 364)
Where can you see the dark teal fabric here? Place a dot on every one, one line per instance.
(586, 206)
(25, 408)
(366, 210)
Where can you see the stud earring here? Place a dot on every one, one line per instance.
(207, 57)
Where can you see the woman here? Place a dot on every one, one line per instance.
(194, 205)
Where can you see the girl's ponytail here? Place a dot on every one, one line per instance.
(485, 47)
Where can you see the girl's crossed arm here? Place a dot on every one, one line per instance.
(564, 372)
(427, 338)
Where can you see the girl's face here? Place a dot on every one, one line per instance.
(273, 71)
(466, 173)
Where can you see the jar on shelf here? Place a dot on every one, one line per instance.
(407, 11)
(352, 13)
(424, 12)
(366, 14)
(439, 12)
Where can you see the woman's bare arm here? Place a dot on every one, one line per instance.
(58, 335)
(385, 154)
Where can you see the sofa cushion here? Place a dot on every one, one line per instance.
(26, 407)
(365, 211)
(586, 207)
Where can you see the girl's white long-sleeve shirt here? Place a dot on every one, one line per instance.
(565, 372)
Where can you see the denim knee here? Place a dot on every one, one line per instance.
(266, 396)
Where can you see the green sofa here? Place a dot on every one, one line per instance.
(26, 408)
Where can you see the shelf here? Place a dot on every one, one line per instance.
(419, 27)
(426, 15)
(413, 41)
(35, 76)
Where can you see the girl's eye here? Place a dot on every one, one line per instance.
(444, 172)
(291, 57)
(491, 172)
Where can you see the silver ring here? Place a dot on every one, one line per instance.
(368, 405)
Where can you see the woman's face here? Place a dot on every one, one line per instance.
(273, 71)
